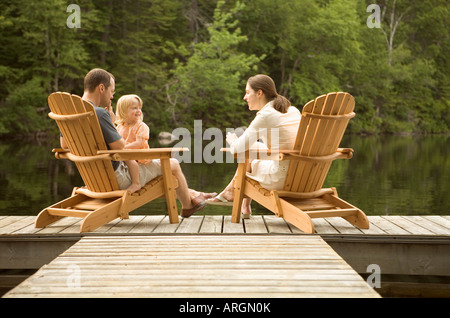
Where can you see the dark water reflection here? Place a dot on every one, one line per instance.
(389, 175)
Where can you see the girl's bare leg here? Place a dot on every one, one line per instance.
(133, 168)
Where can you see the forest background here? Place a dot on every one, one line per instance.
(190, 59)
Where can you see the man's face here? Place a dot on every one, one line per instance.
(107, 94)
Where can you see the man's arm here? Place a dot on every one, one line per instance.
(117, 145)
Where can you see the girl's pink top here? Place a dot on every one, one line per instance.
(132, 133)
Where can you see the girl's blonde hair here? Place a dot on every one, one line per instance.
(122, 107)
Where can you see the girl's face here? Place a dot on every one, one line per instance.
(134, 112)
(251, 97)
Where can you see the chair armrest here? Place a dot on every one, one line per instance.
(60, 150)
(140, 154)
(290, 154)
(255, 153)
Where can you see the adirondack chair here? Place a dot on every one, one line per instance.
(322, 126)
(100, 200)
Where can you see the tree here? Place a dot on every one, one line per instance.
(44, 50)
(210, 84)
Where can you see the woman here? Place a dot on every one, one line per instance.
(276, 124)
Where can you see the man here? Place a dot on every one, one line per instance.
(99, 89)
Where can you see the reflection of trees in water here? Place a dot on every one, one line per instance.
(387, 175)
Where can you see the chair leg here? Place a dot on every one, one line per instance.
(296, 217)
(101, 216)
(238, 196)
(169, 189)
(358, 219)
(44, 218)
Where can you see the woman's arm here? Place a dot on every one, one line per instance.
(249, 137)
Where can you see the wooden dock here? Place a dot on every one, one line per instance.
(405, 245)
(431, 225)
(237, 266)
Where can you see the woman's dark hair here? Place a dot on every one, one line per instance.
(267, 85)
(96, 77)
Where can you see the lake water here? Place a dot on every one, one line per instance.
(388, 175)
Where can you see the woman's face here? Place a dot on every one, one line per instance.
(251, 98)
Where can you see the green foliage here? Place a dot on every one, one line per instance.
(190, 59)
(209, 85)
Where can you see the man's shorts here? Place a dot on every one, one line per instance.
(147, 173)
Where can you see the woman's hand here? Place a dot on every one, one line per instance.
(231, 137)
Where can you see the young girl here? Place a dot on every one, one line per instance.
(130, 125)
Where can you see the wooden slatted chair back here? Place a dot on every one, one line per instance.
(78, 123)
(322, 126)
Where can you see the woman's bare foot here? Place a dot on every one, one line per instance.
(246, 208)
(227, 195)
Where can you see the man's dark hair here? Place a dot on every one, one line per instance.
(96, 77)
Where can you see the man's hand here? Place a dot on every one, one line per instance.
(111, 113)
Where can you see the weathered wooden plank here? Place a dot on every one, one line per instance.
(429, 225)
(255, 225)
(144, 265)
(59, 225)
(9, 220)
(440, 220)
(229, 227)
(343, 226)
(19, 224)
(105, 227)
(73, 228)
(322, 226)
(373, 227)
(191, 224)
(388, 227)
(212, 266)
(409, 226)
(276, 225)
(125, 225)
(147, 224)
(212, 224)
(166, 227)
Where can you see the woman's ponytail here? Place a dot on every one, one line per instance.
(281, 103)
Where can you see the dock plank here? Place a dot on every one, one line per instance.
(147, 224)
(428, 224)
(197, 266)
(276, 225)
(212, 224)
(255, 224)
(17, 225)
(190, 225)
